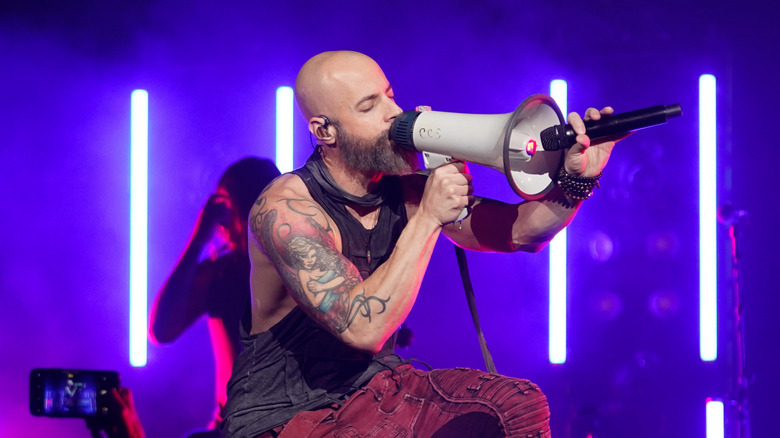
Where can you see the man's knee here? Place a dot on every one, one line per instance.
(520, 405)
(463, 383)
(527, 413)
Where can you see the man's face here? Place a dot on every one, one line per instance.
(366, 110)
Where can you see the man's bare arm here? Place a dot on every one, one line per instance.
(296, 235)
(495, 226)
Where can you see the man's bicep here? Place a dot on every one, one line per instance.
(298, 238)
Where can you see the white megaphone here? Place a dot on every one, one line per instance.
(509, 143)
(526, 145)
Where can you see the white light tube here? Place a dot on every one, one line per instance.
(139, 148)
(284, 129)
(558, 269)
(715, 419)
(708, 219)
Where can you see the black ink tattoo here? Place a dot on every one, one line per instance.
(361, 305)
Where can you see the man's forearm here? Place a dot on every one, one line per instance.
(496, 226)
(539, 221)
(395, 284)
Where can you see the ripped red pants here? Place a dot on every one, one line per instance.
(406, 402)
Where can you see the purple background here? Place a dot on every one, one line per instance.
(67, 72)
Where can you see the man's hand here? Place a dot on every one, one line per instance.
(447, 192)
(588, 158)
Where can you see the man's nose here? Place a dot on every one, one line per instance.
(395, 110)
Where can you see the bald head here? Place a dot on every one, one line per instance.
(350, 107)
(325, 81)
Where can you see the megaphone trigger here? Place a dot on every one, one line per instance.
(433, 160)
(463, 215)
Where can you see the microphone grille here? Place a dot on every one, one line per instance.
(402, 129)
(551, 138)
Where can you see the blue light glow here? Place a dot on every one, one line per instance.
(708, 217)
(715, 419)
(139, 156)
(284, 129)
(558, 269)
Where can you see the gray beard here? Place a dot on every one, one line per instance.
(378, 155)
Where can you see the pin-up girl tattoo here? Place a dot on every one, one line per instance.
(317, 271)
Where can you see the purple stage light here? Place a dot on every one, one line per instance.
(606, 305)
(663, 303)
(601, 247)
(662, 244)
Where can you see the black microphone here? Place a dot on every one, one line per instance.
(563, 136)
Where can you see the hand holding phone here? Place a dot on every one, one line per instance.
(121, 420)
(91, 394)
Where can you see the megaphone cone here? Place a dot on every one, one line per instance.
(510, 143)
(528, 167)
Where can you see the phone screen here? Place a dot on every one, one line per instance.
(69, 393)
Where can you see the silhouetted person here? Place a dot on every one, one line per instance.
(212, 275)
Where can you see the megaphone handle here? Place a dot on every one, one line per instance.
(433, 160)
(466, 210)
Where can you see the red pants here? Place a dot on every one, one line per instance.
(442, 403)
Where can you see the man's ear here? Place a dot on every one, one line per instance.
(323, 130)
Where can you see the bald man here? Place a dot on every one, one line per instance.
(339, 248)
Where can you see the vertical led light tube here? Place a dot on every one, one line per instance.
(558, 269)
(708, 218)
(139, 160)
(284, 129)
(715, 419)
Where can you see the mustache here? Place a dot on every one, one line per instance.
(396, 148)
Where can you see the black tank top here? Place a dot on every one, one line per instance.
(296, 365)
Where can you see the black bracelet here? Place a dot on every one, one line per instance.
(577, 187)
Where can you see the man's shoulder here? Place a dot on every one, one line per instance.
(286, 192)
(288, 203)
(286, 186)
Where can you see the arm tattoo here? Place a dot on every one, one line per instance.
(302, 248)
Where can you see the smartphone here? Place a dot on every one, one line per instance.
(57, 392)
